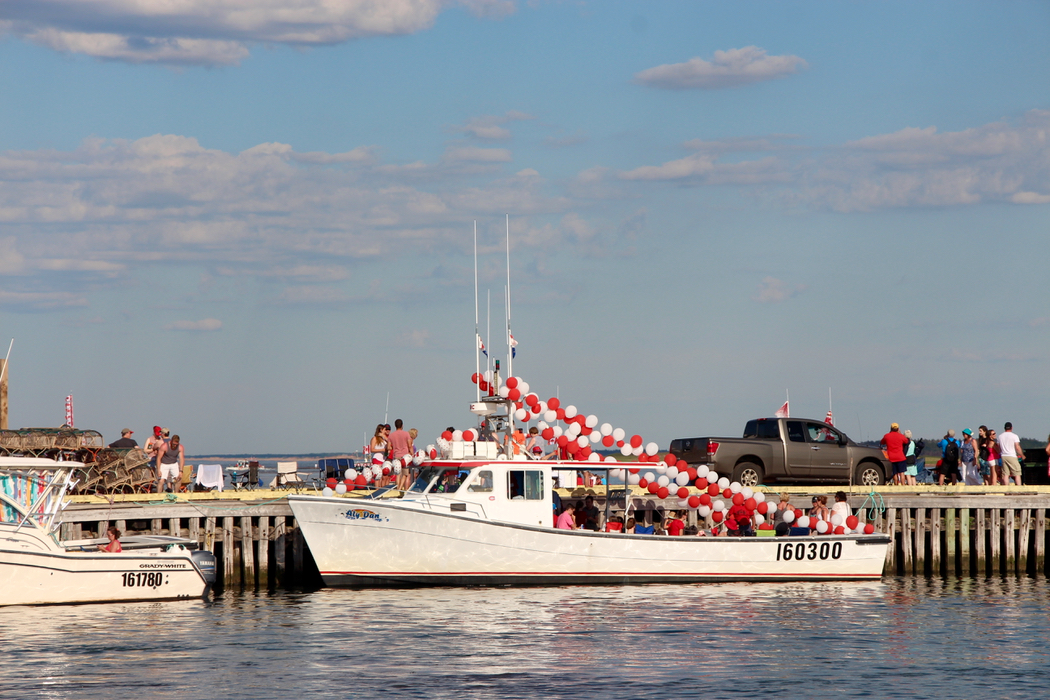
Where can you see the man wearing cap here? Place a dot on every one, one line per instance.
(125, 442)
(893, 443)
(153, 444)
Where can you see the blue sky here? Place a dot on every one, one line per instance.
(250, 222)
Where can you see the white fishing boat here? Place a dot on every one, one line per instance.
(496, 527)
(36, 567)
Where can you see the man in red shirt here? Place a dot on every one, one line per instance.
(893, 443)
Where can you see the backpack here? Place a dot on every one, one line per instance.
(951, 452)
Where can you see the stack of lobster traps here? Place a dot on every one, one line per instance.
(106, 470)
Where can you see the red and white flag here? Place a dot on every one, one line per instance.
(782, 412)
(69, 410)
(828, 419)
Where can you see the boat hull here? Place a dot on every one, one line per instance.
(42, 578)
(387, 543)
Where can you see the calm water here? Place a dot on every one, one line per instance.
(904, 637)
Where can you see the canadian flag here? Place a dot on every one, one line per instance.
(783, 412)
(828, 419)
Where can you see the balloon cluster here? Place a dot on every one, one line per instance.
(367, 477)
(836, 526)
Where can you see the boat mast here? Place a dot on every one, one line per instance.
(477, 334)
(510, 338)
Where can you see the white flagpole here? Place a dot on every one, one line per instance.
(510, 350)
(7, 359)
(477, 334)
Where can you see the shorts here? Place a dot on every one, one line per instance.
(986, 468)
(170, 471)
(911, 470)
(1011, 467)
(899, 467)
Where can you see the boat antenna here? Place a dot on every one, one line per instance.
(510, 338)
(477, 334)
(386, 413)
(3, 370)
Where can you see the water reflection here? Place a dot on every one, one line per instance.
(902, 637)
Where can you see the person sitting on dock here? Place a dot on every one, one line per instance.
(566, 521)
(126, 442)
(113, 545)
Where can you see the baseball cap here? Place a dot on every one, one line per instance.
(126, 431)
(894, 426)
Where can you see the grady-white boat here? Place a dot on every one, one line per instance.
(493, 525)
(37, 568)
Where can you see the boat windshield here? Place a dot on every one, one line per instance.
(439, 480)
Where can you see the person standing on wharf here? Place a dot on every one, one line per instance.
(1012, 454)
(893, 442)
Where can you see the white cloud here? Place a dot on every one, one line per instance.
(215, 32)
(40, 301)
(414, 339)
(492, 127)
(474, 154)
(731, 68)
(773, 291)
(207, 324)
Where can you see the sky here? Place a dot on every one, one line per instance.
(253, 222)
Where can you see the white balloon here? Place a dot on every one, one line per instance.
(759, 497)
(633, 479)
(606, 429)
(595, 437)
(591, 421)
(789, 515)
(570, 411)
(803, 521)
(682, 479)
(542, 405)
(457, 436)
(735, 487)
(759, 518)
(418, 459)
(662, 480)
(396, 469)
(719, 505)
(541, 425)
(521, 414)
(351, 473)
(488, 376)
(649, 476)
(503, 391)
(550, 416)
(327, 492)
(594, 457)
(610, 458)
(582, 441)
(625, 450)
(822, 526)
(637, 451)
(618, 434)
(747, 492)
(340, 488)
(723, 483)
(702, 471)
(712, 476)
(837, 519)
(523, 387)
(651, 449)
(558, 431)
(661, 467)
(703, 511)
(388, 465)
(672, 471)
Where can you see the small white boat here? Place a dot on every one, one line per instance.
(494, 526)
(37, 568)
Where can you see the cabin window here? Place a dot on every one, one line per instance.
(482, 482)
(525, 484)
(795, 431)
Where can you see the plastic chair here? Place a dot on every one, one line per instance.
(288, 476)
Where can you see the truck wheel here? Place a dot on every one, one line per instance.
(868, 474)
(748, 474)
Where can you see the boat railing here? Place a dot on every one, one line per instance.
(34, 497)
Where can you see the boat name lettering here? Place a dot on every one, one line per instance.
(363, 514)
(143, 579)
(166, 565)
(808, 550)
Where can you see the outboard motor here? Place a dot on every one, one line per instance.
(205, 563)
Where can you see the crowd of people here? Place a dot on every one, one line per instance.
(167, 456)
(987, 458)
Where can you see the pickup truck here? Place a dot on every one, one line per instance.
(796, 450)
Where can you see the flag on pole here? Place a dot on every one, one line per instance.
(783, 412)
(481, 347)
(513, 346)
(69, 410)
(828, 419)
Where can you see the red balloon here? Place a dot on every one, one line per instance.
(751, 504)
(705, 499)
(690, 471)
(643, 482)
(852, 522)
(386, 471)
(798, 514)
(717, 516)
(360, 480)
(513, 394)
(728, 493)
(713, 489)
(560, 413)
(563, 440)
(840, 530)
(483, 384)
(662, 492)
(535, 408)
(447, 435)
(620, 443)
(585, 451)
(332, 481)
(694, 502)
(433, 454)
(683, 492)
(531, 399)
(349, 483)
(579, 456)
(553, 403)
(519, 404)
(608, 441)
(701, 483)
(468, 436)
(643, 457)
(653, 487)
(636, 441)
(634, 470)
(586, 431)
(868, 529)
(573, 447)
(548, 433)
(512, 382)
(671, 459)
(475, 377)
(738, 498)
(763, 508)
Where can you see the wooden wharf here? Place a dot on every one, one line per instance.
(936, 531)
